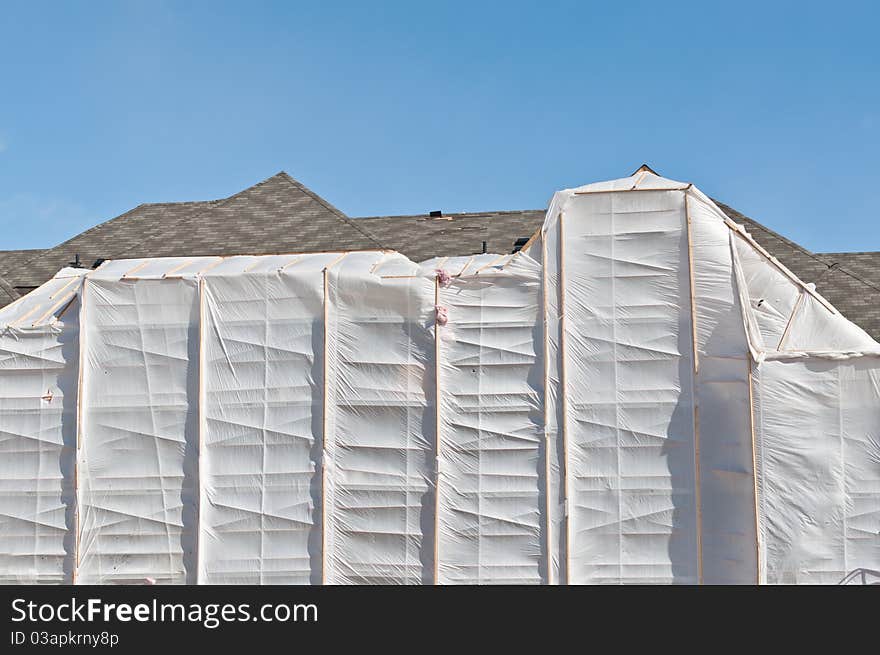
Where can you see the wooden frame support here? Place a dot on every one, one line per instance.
(698, 502)
(563, 394)
(80, 394)
(437, 440)
(202, 426)
(548, 488)
(758, 547)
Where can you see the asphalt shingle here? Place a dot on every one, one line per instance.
(280, 215)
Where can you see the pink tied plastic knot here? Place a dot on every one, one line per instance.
(443, 278)
(442, 315)
(149, 581)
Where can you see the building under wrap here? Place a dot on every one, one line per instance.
(642, 394)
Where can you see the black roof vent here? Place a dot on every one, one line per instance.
(519, 243)
(98, 262)
(76, 263)
(436, 214)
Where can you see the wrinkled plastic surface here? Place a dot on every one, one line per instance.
(642, 395)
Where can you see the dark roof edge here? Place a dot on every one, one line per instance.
(453, 214)
(339, 214)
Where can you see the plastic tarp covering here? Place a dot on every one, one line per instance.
(771, 294)
(381, 427)
(38, 379)
(492, 452)
(138, 457)
(262, 379)
(818, 448)
(629, 388)
(728, 542)
(816, 328)
(643, 394)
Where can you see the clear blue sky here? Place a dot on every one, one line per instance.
(404, 107)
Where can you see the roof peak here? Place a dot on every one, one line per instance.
(644, 168)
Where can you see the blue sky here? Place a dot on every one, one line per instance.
(404, 107)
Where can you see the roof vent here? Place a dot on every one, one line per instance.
(519, 243)
(76, 263)
(436, 214)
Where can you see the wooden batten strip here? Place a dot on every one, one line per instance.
(740, 232)
(698, 501)
(51, 310)
(438, 403)
(563, 378)
(548, 523)
(80, 395)
(203, 424)
(749, 363)
(325, 373)
(588, 193)
(794, 311)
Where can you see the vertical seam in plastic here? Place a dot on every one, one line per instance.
(842, 459)
(548, 544)
(564, 397)
(324, 413)
(619, 489)
(80, 396)
(761, 498)
(754, 472)
(437, 404)
(694, 348)
(325, 368)
(202, 429)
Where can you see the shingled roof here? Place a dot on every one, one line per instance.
(422, 237)
(280, 215)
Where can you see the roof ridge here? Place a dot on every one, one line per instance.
(180, 202)
(214, 204)
(854, 252)
(487, 212)
(83, 233)
(338, 213)
(153, 204)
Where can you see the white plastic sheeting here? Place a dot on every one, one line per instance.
(381, 426)
(642, 395)
(629, 419)
(38, 379)
(818, 447)
(492, 452)
(138, 456)
(262, 380)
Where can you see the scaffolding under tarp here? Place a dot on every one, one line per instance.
(642, 394)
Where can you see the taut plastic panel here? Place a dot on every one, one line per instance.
(138, 457)
(381, 427)
(492, 455)
(261, 442)
(819, 469)
(816, 328)
(629, 382)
